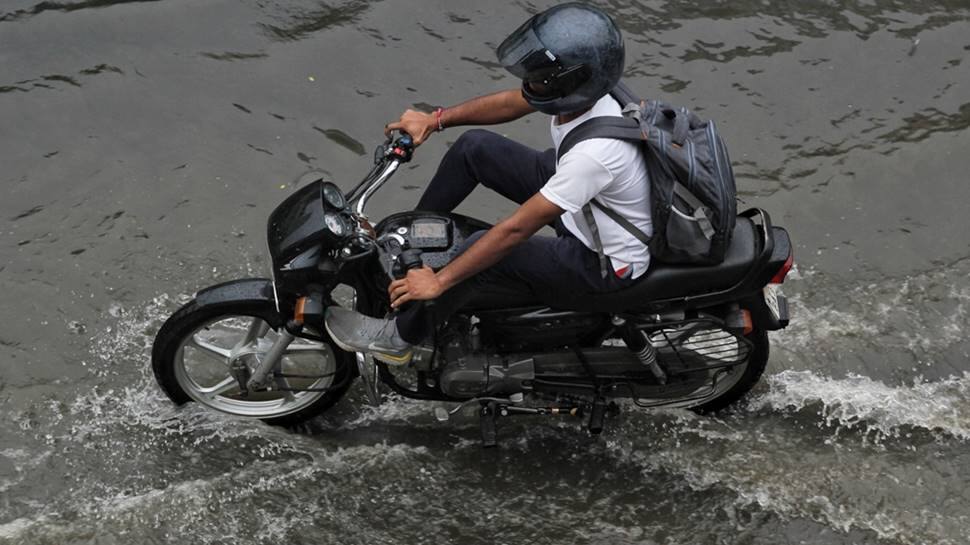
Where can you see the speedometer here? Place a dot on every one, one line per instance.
(333, 196)
(335, 224)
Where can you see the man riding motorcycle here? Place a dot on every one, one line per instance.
(569, 58)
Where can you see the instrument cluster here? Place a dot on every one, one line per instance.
(335, 207)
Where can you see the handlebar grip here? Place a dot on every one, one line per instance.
(411, 259)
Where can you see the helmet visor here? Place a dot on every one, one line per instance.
(524, 55)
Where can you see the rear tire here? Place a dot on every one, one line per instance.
(180, 332)
(757, 361)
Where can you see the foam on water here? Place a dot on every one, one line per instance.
(755, 464)
(923, 315)
(22, 462)
(858, 402)
(394, 408)
(180, 506)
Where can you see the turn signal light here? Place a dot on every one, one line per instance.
(739, 321)
(748, 323)
(309, 310)
(300, 308)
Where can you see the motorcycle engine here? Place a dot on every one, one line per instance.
(470, 372)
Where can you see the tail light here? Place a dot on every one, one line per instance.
(779, 276)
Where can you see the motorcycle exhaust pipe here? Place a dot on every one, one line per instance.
(479, 375)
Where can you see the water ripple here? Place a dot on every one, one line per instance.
(39, 82)
(234, 55)
(810, 19)
(65, 7)
(922, 125)
(301, 24)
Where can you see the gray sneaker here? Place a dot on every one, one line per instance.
(354, 332)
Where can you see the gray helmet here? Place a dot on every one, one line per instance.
(568, 57)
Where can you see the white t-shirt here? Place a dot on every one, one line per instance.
(613, 171)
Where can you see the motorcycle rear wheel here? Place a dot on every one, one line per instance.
(751, 374)
(193, 350)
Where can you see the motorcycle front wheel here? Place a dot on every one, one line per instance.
(197, 349)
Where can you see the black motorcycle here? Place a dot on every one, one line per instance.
(682, 336)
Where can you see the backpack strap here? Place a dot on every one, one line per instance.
(620, 220)
(681, 128)
(621, 128)
(701, 214)
(623, 222)
(597, 241)
(624, 95)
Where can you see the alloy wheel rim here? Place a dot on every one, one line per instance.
(204, 357)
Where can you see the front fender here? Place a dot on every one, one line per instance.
(255, 291)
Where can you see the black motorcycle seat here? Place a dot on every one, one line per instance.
(664, 281)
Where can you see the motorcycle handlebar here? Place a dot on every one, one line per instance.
(387, 157)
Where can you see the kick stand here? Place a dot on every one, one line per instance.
(596, 415)
(487, 417)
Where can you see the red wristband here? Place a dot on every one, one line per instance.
(437, 118)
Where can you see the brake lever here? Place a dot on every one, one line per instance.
(401, 149)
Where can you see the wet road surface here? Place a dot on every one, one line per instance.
(145, 142)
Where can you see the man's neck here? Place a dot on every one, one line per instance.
(562, 119)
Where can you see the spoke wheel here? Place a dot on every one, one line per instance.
(721, 387)
(206, 355)
(742, 378)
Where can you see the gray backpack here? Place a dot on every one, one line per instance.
(694, 206)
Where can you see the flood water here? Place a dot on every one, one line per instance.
(143, 143)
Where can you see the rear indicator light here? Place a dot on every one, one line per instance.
(783, 271)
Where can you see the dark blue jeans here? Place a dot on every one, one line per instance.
(539, 270)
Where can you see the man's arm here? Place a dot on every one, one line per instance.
(485, 110)
(423, 284)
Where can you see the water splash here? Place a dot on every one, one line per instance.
(186, 507)
(754, 464)
(894, 328)
(858, 402)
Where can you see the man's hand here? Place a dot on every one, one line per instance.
(417, 124)
(419, 285)
(485, 110)
(499, 240)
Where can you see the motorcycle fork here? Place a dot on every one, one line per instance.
(271, 360)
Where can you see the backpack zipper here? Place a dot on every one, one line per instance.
(653, 114)
(717, 163)
(690, 160)
(690, 154)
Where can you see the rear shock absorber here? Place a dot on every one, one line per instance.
(638, 343)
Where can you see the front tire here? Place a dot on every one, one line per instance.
(195, 348)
